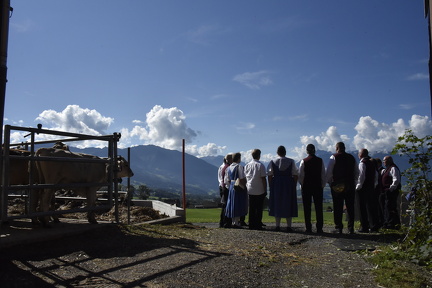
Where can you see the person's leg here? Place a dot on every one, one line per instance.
(318, 203)
(372, 211)
(338, 201)
(393, 213)
(350, 205)
(236, 221)
(259, 209)
(362, 195)
(307, 203)
(253, 202)
(289, 224)
(277, 220)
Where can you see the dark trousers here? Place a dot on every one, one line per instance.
(381, 206)
(256, 205)
(317, 196)
(339, 199)
(369, 208)
(224, 221)
(391, 214)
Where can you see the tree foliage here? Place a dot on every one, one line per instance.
(418, 240)
(143, 192)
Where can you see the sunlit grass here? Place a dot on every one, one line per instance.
(212, 215)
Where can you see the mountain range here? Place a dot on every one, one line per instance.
(161, 169)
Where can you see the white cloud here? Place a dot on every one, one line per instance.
(254, 80)
(377, 136)
(371, 134)
(406, 106)
(203, 34)
(211, 149)
(418, 76)
(22, 27)
(75, 119)
(72, 119)
(326, 140)
(245, 126)
(166, 127)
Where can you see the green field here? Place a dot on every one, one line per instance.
(212, 215)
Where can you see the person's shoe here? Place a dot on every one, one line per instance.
(308, 230)
(277, 229)
(227, 225)
(236, 227)
(255, 228)
(320, 231)
(243, 223)
(262, 224)
(363, 230)
(289, 230)
(375, 230)
(351, 231)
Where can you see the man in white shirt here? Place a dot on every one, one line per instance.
(366, 183)
(256, 185)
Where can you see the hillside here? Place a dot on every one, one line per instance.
(160, 168)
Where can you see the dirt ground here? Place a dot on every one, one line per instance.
(187, 255)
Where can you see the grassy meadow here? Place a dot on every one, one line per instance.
(212, 215)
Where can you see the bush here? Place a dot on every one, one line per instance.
(418, 239)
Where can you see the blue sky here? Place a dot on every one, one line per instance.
(227, 76)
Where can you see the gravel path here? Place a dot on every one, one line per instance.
(186, 255)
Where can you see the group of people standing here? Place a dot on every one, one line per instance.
(376, 187)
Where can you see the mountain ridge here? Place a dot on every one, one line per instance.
(161, 169)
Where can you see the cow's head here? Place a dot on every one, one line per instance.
(123, 169)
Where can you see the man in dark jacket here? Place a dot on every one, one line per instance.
(312, 180)
(342, 171)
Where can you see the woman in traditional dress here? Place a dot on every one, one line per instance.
(237, 203)
(282, 178)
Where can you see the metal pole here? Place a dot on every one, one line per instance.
(129, 194)
(4, 35)
(184, 178)
(430, 48)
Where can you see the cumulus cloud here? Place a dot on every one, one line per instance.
(164, 127)
(167, 127)
(254, 80)
(72, 119)
(326, 140)
(211, 149)
(371, 134)
(75, 119)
